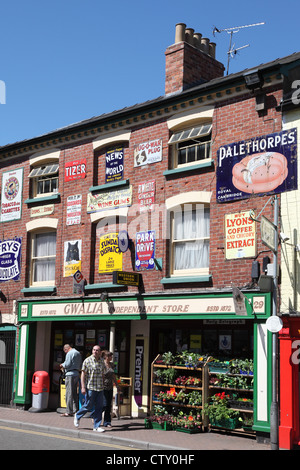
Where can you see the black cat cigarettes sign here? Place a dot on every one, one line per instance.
(72, 257)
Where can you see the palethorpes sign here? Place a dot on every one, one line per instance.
(266, 164)
(10, 259)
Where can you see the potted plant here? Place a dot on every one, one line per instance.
(247, 423)
(193, 382)
(195, 398)
(168, 358)
(189, 423)
(190, 359)
(181, 380)
(219, 414)
(169, 375)
(159, 422)
(159, 375)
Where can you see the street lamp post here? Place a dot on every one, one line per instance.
(274, 414)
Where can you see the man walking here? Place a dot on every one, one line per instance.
(92, 376)
(71, 366)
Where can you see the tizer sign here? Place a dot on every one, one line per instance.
(75, 170)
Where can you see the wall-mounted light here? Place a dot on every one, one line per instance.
(260, 102)
(104, 296)
(283, 237)
(253, 79)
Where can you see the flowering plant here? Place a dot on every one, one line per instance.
(218, 408)
(187, 421)
(193, 381)
(181, 380)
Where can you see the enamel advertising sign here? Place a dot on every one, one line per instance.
(148, 152)
(114, 160)
(10, 259)
(145, 250)
(75, 170)
(110, 256)
(263, 165)
(11, 195)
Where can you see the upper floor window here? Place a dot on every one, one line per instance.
(190, 237)
(44, 180)
(190, 146)
(43, 254)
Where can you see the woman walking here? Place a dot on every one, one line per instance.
(109, 381)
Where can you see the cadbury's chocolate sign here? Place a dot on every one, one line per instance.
(263, 165)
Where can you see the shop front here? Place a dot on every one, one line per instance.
(289, 370)
(138, 328)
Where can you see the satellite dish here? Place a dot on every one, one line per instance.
(123, 241)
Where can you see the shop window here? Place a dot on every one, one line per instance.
(191, 146)
(190, 237)
(44, 180)
(43, 254)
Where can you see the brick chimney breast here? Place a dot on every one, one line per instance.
(190, 61)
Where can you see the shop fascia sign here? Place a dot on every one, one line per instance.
(203, 306)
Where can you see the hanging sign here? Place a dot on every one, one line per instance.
(148, 152)
(126, 278)
(114, 161)
(138, 372)
(78, 283)
(263, 165)
(110, 256)
(145, 250)
(146, 193)
(72, 257)
(10, 259)
(75, 170)
(74, 209)
(11, 195)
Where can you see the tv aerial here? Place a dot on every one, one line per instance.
(232, 51)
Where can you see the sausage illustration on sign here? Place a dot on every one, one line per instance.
(260, 173)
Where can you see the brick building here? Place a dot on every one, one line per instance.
(149, 190)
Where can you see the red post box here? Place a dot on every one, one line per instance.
(40, 390)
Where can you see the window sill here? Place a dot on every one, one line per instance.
(102, 285)
(199, 166)
(53, 197)
(32, 290)
(185, 279)
(107, 186)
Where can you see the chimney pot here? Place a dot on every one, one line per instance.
(189, 35)
(197, 40)
(212, 49)
(205, 45)
(180, 32)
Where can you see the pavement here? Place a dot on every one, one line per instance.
(129, 432)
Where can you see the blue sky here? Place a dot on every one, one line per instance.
(68, 60)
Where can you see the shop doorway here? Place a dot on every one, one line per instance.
(7, 359)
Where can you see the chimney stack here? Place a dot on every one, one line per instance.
(190, 61)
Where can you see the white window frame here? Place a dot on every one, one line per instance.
(46, 172)
(48, 282)
(193, 239)
(188, 138)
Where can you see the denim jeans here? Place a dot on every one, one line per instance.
(108, 394)
(93, 401)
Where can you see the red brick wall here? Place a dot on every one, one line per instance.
(233, 120)
(187, 66)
